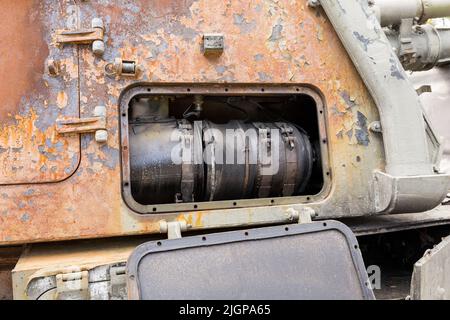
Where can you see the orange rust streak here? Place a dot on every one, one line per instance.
(22, 53)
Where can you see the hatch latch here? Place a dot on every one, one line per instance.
(96, 124)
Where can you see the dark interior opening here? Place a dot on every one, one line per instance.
(299, 110)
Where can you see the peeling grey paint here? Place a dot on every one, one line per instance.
(363, 40)
(336, 112)
(245, 26)
(349, 133)
(347, 98)
(110, 159)
(155, 49)
(396, 72)
(220, 69)
(276, 32)
(25, 217)
(47, 154)
(362, 133)
(47, 119)
(264, 76)
(29, 192)
(258, 57)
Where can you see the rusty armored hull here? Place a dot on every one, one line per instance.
(61, 185)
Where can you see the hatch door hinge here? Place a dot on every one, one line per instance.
(173, 228)
(96, 124)
(93, 35)
(118, 279)
(72, 285)
(304, 214)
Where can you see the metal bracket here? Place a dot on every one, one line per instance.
(287, 134)
(173, 228)
(302, 215)
(409, 194)
(407, 51)
(72, 285)
(95, 124)
(93, 35)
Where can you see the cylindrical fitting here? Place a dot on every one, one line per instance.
(97, 23)
(390, 12)
(431, 47)
(98, 47)
(175, 160)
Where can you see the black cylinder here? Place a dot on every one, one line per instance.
(180, 161)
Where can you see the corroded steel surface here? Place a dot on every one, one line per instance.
(30, 149)
(265, 42)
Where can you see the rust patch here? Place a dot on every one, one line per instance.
(163, 8)
(22, 51)
(164, 37)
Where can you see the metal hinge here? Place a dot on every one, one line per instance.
(118, 280)
(93, 35)
(172, 228)
(72, 285)
(95, 124)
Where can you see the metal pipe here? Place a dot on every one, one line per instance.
(390, 12)
(444, 51)
(431, 47)
(404, 136)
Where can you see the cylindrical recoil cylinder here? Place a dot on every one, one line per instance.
(180, 161)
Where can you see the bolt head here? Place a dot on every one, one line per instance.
(53, 68)
(313, 3)
(101, 136)
(97, 23)
(98, 47)
(100, 111)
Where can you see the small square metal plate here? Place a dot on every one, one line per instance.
(213, 43)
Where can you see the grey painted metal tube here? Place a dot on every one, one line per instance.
(444, 50)
(393, 11)
(432, 47)
(404, 136)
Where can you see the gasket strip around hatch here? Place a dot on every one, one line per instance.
(148, 89)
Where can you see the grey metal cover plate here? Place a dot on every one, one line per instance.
(319, 260)
(431, 275)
